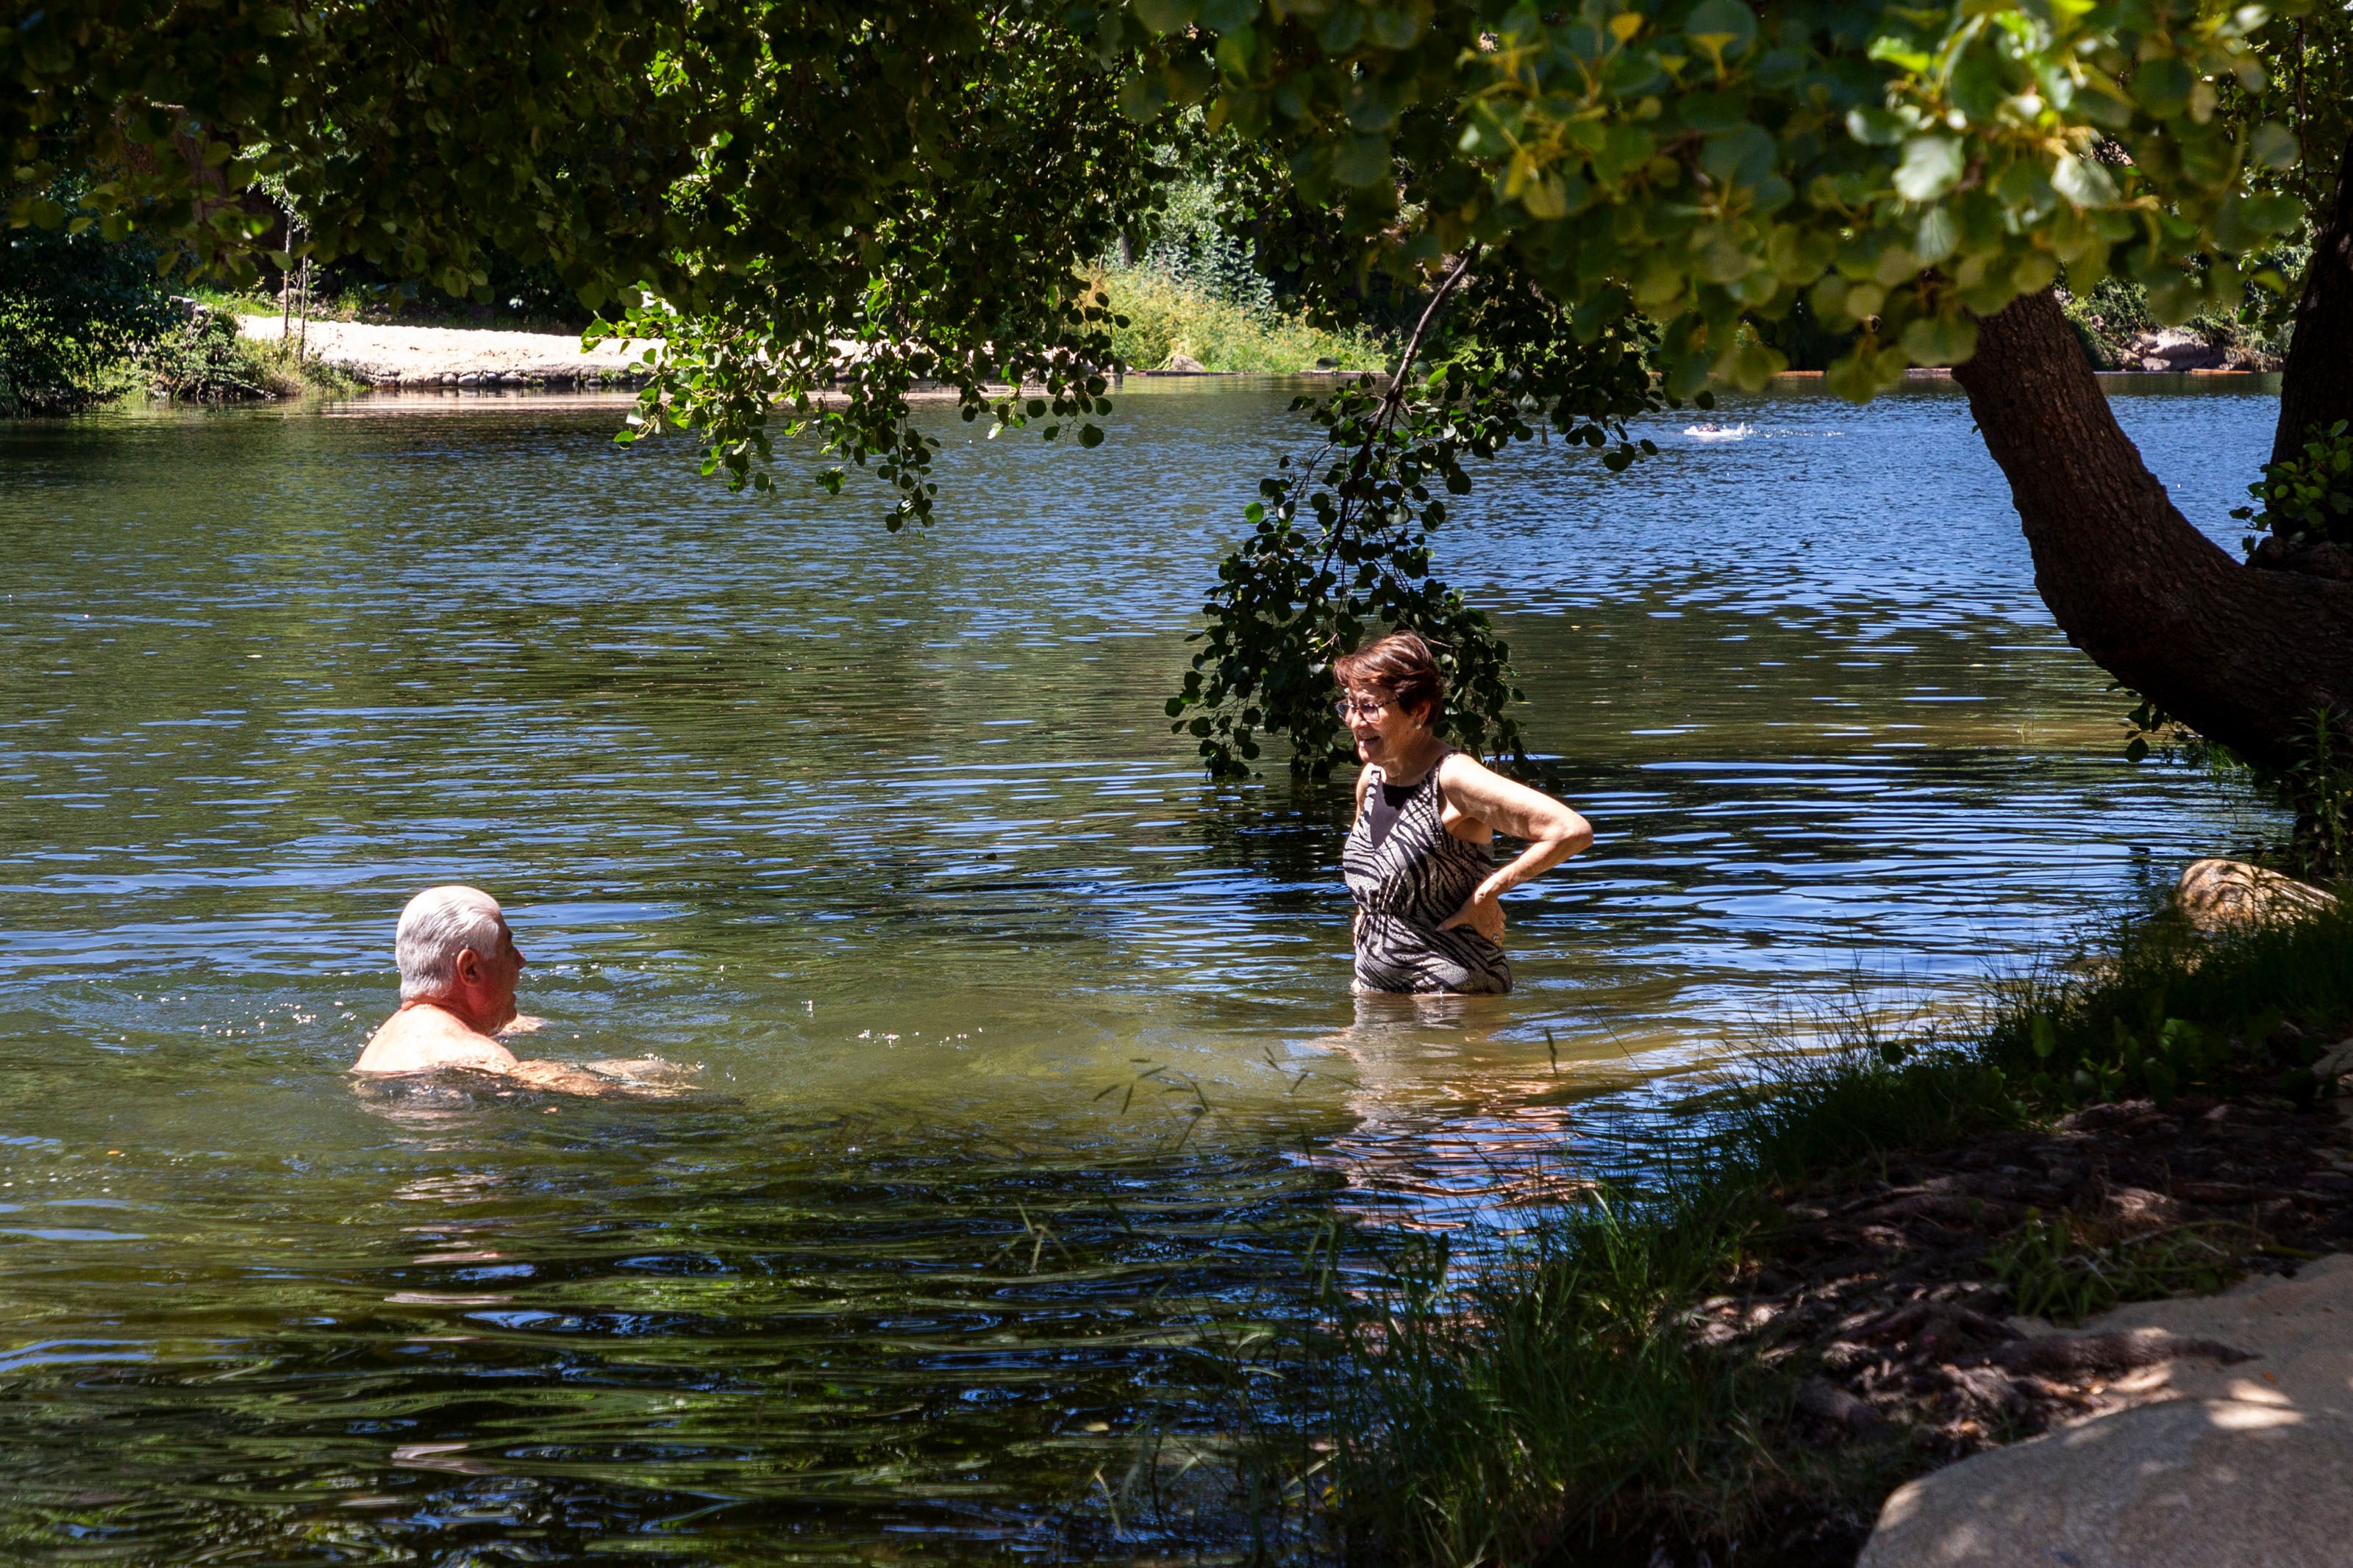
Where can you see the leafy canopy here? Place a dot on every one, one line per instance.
(1900, 167)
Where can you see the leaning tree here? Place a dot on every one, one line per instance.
(808, 207)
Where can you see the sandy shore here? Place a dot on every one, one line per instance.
(391, 356)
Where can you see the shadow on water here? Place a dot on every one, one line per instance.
(1032, 1078)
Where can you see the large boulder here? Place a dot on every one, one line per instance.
(2173, 348)
(2217, 895)
(2188, 1483)
(2211, 1462)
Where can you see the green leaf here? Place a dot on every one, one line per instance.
(2274, 146)
(2162, 86)
(1164, 17)
(2083, 183)
(1721, 29)
(1932, 166)
(1941, 339)
(1876, 127)
(1362, 161)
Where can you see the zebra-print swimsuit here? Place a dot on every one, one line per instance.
(1404, 884)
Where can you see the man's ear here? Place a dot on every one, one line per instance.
(468, 967)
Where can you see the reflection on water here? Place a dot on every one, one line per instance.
(1027, 1059)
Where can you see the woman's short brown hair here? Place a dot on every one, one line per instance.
(1399, 666)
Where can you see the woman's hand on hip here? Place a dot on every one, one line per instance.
(1482, 911)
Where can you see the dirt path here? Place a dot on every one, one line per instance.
(391, 356)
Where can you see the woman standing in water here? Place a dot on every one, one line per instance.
(1420, 859)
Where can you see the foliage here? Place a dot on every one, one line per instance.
(939, 245)
(1341, 541)
(410, 135)
(2308, 84)
(2166, 1011)
(2306, 498)
(1194, 245)
(2318, 786)
(208, 361)
(1166, 318)
(2054, 1271)
(73, 307)
(1899, 167)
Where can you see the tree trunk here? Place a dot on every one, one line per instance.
(2317, 388)
(2244, 657)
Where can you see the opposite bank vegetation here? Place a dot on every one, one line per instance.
(1735, 1347)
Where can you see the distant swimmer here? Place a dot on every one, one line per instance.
(458, 965)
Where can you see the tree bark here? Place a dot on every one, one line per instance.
(2246, 657)
(2317, 385)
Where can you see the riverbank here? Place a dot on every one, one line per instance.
(1868, 1266)
(424, 357)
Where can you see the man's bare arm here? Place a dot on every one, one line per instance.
(564, 1078)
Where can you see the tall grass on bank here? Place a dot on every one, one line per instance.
(1167, 317)
(2158, 1009)
(1549, 1399)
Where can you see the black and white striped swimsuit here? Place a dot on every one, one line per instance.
(1406, 881)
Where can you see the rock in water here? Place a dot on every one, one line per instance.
(1185, 364)
(2218, 894)
(2189, 1483)
(2173, 349)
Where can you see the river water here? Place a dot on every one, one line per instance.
(1028, 1059)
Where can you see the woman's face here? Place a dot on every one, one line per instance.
(1384, 730)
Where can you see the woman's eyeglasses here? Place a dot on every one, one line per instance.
(1348, 707)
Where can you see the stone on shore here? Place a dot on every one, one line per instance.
(2221, 894)
(2173, 349)
(2208, 1466)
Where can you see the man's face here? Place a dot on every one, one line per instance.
(489, 979)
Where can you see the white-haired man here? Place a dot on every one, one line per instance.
(459, 964)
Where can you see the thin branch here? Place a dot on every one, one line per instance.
(1393, 398)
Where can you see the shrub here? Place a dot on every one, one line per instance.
(74, 308)
(1167, 317)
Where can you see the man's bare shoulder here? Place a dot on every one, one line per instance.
(428, 1039)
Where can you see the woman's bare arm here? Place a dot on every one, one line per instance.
(1364, 784)
(1552, 832)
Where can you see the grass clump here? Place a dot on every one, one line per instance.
(2054, 1270)
(1167, 317)
(1553, 1397)
(2166, 1010)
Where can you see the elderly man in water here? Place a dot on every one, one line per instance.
(458, 965)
